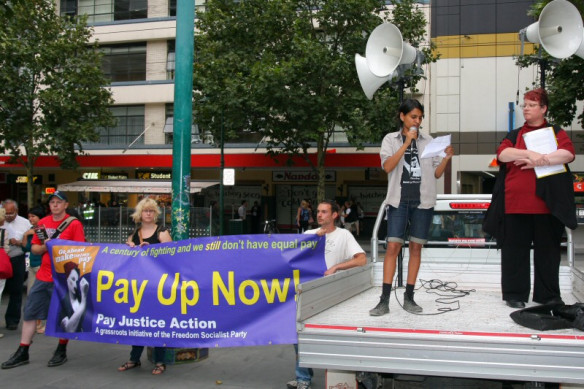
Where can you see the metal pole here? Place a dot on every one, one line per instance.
(120, 218)
(542, 69)
(98, 223)
(183, 119)
(221, 199)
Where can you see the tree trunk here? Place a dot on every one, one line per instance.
(29, 164)
(320, 166)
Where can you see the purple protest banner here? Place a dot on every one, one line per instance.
(222, 291)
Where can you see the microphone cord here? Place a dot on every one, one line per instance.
(447, 292)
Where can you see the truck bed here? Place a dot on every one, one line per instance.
(474, 338)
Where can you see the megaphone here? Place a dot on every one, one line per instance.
(386, 50)
(369, 81)
(559, 29)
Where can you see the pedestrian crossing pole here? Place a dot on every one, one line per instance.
(183, 119)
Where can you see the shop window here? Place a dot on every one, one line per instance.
(124, 62)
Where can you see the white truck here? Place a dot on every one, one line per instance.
(464, 334)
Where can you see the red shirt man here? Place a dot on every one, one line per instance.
(39, 298)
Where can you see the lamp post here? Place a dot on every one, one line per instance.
(183, 119)
(208, 138)
(221, 198)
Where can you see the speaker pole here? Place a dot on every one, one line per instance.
(542, 68)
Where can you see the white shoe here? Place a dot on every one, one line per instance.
(292, 384)
(1, 335)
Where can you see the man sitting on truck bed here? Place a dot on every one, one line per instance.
(341, 252)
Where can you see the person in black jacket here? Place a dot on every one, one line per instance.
(534, 209)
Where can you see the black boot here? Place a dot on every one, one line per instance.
(381, 308)
(410, 305)
(20, 357)
(59, 357)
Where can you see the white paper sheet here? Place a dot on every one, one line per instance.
(436, 147)
(543, 141)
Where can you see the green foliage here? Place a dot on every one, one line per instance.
(286, 69)
(53, 96)
(564, 78)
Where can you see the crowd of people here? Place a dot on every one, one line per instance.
(32, 236)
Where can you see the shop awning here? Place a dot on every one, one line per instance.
(130, 186)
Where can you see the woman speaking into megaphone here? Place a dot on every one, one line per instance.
(411, 196)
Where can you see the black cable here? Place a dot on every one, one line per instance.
(447, 293)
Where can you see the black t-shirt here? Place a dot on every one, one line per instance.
(412, 173)
(352, 216)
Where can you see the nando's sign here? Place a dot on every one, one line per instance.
(302, 176)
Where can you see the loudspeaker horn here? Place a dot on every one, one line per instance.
(369, 81)
(386, 50)
(559, 29)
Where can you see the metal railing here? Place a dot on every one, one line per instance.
(115, 224)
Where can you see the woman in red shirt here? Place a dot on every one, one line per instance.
(528, 219)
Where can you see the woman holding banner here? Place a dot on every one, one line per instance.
(147, 232)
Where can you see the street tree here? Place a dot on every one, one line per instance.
(53, 96)
(285, 69)
(563, 78)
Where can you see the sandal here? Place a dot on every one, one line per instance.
(159, 369)
(129, 365)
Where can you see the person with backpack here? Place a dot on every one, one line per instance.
(148, 232)
(351, 215)
(536, 210)
(57, 225)
(303, 217)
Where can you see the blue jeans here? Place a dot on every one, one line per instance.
(136, 353)
(303, 374)
(419, 221)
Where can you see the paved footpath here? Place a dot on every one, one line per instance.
(94, 365)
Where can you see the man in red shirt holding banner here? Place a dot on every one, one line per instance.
(57, 224)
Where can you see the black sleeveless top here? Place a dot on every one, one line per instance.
(151, 239)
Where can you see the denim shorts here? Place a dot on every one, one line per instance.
(408, 218)
(38, 301)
